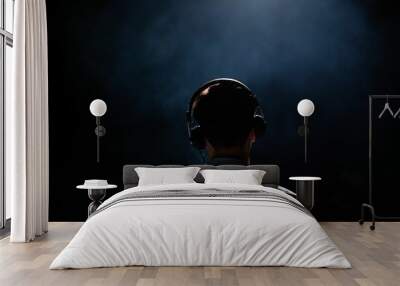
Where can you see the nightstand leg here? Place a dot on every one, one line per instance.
(305, 193)
(96, 196)
(372, 209)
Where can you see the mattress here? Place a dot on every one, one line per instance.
(201, 225)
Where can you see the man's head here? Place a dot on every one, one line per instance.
(224, 117)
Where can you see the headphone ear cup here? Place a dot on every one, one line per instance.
(194, 131)
(197, 138)
(259, 121)
(259, 126)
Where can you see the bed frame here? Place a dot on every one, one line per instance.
(271, 178)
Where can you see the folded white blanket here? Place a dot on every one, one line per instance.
(198, 224)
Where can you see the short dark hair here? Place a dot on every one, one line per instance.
(225, 113)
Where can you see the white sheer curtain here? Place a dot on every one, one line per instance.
(27, 124)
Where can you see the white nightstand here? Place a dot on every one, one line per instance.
(96, 193)
(305, 190)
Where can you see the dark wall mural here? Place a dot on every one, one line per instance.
(146, 58)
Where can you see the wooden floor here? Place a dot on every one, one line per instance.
(375, 257)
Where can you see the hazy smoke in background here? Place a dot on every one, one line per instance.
(259, 41)
(284, 50)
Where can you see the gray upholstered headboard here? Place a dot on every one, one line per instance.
(271, 177)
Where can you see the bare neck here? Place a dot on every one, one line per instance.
(241, 153)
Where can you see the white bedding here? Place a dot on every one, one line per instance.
(200, 231)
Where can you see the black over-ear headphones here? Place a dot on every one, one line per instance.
(193, 126)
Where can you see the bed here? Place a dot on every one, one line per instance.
(201, 224)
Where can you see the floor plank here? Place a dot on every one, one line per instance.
(375, 256)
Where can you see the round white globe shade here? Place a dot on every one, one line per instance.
(98, 107)
(305, 107)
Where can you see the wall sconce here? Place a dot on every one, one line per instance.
(98, 108)
(305, 108)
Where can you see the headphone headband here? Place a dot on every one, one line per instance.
(222, 80)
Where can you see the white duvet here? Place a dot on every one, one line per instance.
(200, 231)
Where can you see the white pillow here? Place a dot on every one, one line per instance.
(247, 177)
(165, 176)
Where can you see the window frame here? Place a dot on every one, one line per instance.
(6, 39)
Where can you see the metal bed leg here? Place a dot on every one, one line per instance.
(372, 209)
